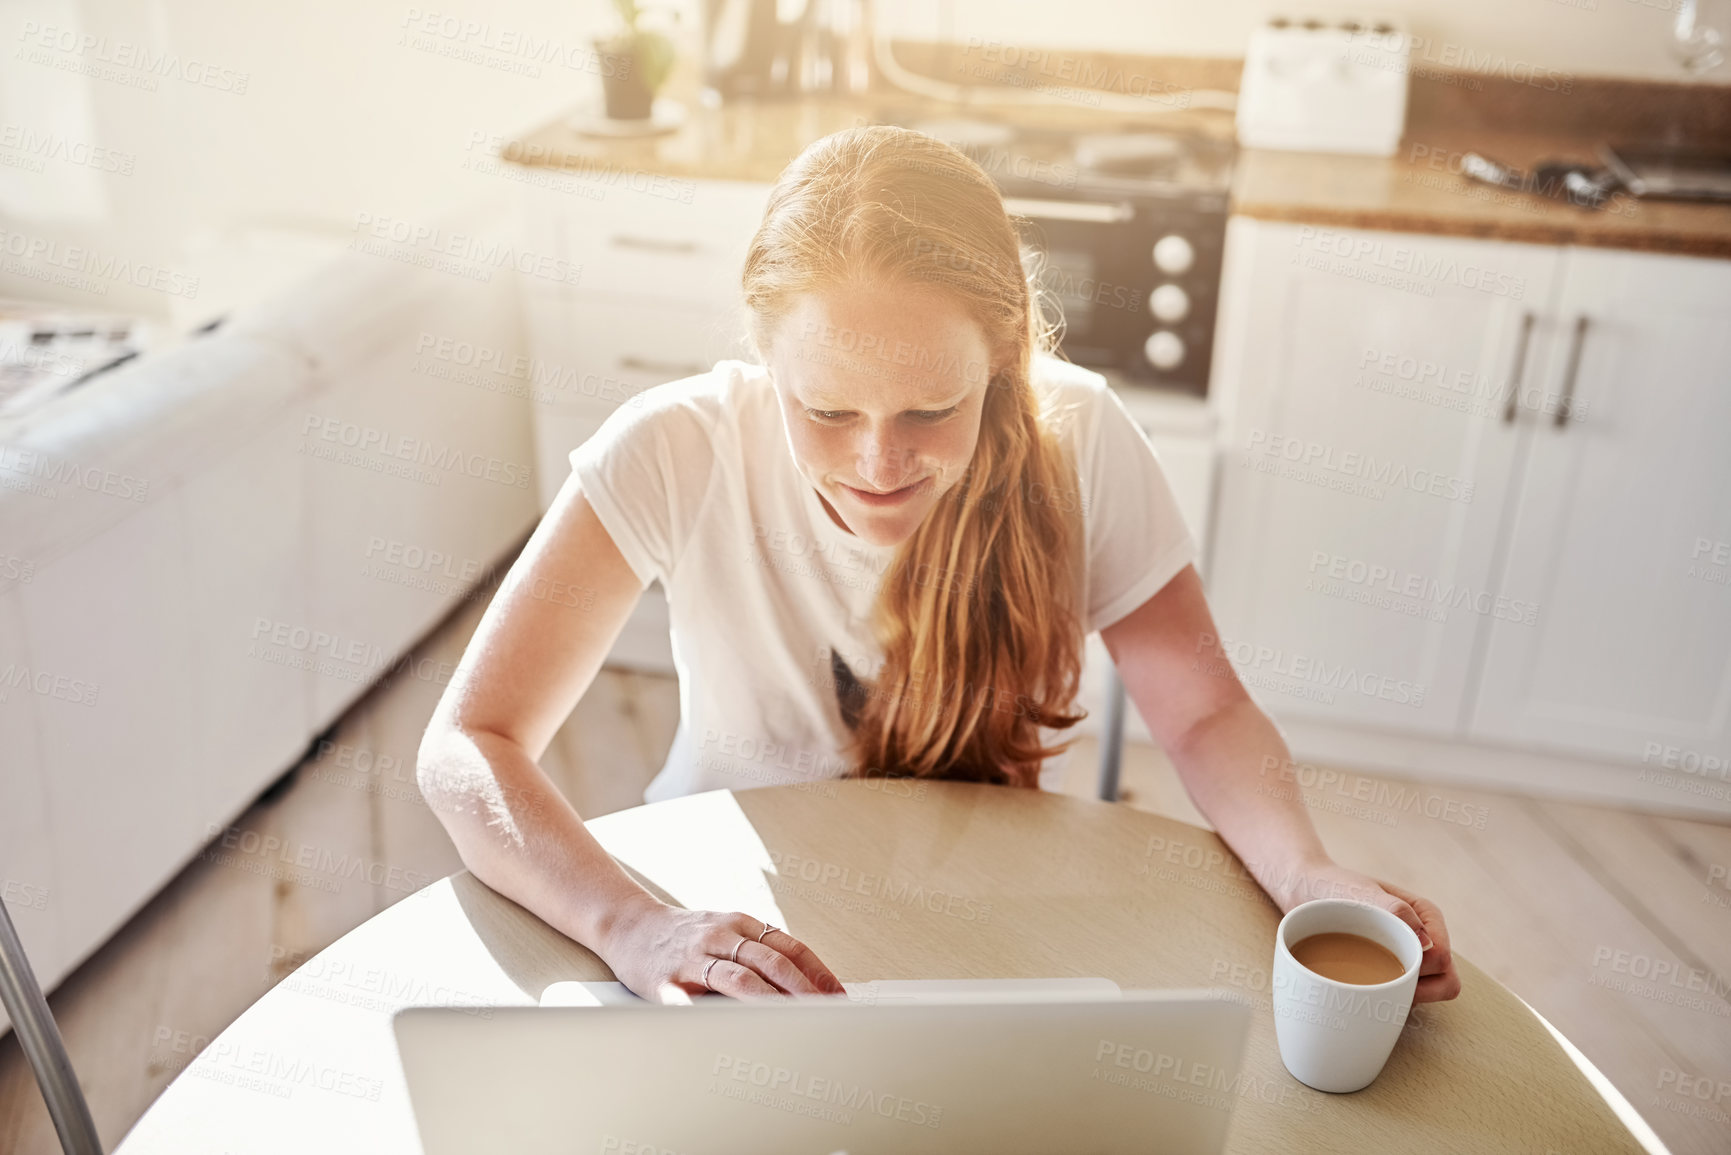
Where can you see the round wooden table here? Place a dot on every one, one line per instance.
(885, 880)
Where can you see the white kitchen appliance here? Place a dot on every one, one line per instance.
(1325, 86)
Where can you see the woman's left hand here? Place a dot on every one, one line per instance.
(1438, 979)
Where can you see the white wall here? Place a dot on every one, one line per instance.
(1581, 37)
(342, 113)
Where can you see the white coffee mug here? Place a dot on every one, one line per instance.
(1336, 1036)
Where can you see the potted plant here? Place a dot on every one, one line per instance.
(634, 63)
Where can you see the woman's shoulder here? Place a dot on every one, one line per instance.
(709, 406)
(710, 395)
(1053, 372)
(1069, 395)
(689, 421)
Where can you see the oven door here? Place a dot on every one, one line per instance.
(1100, 264)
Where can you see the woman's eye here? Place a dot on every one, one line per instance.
(834, 415)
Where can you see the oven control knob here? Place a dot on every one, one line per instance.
(1164, 350)
(1169, 303)
(1173, 254)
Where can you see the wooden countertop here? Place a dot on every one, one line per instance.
(752, 140)
(1419, 190)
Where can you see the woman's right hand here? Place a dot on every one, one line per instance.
(660, 952)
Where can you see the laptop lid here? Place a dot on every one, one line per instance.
(1150, 1070)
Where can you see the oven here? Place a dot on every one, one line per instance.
(1135, 277)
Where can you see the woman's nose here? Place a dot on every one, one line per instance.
(884, 463)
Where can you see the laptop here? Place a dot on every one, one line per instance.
(1011, 1067)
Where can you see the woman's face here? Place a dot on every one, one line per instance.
(881, 391)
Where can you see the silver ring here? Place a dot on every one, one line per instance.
(706, 969)
(736, 947)
(766, 929)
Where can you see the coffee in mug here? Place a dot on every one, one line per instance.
(1342, 984)
(1347, 958)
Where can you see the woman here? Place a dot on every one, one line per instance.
(883, 547)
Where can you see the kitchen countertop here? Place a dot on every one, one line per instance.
(1419, 190)
(752, 140)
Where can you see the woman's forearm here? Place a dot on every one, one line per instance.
(1231, 764)
(517, 833)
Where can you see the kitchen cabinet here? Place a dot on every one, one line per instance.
(1577, 603)
(657, 299)
(1621, 524)
(1365, 465)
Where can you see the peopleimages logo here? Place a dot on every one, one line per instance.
(22, 894)
(432, 246)
(1375, 578)
(802, 1094)
(1461, 390)
(1447, 54)
(364, 439)
(1664, 979)
(1686, 760)
(39, 146)
(98, 56)
(313, 858)
(539, 372)
(17, 569)
(864, 343)
(1396, 799)
(1083, 71)
(501, 46)
(39, 473)
(1407, 260)
(1254, 660)
(46, 259)
(1361, 469)
(47, 685)
(902, 892)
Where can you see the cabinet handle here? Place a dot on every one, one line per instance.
(1569, 375)
(1519, 368)
(653, 244)
(673, 369)
(1092, 212)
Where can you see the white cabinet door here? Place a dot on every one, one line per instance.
(1364, 378)
(684, 241)
(1622, 529)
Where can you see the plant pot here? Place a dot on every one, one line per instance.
(623, 92)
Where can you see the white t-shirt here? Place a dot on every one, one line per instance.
(698, 488)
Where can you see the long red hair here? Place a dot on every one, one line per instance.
(978, 614)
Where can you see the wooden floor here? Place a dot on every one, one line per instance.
(1560, 902)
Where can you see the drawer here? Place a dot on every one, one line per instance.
(642, 245)
(590, 355)
(715, 208)
(597, 353)
(645, 344)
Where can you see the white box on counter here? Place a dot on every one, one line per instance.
(1325, 86)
